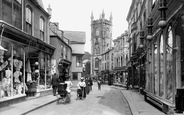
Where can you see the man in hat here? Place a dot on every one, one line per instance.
(54, 83)
(83, 85)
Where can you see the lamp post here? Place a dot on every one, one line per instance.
(141, 39)
(150, 26)
(162, 7)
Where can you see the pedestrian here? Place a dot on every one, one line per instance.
(87, 85)
(54, 83)
(90, 82)
(69, 84)
(99, 81)
(82, 85)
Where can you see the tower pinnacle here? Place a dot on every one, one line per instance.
(103, 14)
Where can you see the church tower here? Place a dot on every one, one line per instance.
(101, 40)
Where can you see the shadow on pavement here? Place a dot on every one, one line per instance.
(116, 101)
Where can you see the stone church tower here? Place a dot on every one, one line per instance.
(101, 40)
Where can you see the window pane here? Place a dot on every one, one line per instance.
(155, 68)
(17, 14)
(28, 16)
(169, 67)
(161, 67)
(79, 61)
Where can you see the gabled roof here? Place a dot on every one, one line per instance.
(75, 36)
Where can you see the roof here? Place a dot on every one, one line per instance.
(40, 3)
(75, 36)
(52, 33)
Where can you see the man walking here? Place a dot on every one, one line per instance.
(54, 83)
(99, 83)
(90, 82)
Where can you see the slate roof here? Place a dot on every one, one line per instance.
(75, 36)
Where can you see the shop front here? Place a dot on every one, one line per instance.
(24, 65)
(64, 68)
(120, 75)
(165, 54)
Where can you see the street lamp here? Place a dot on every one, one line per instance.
(150, 26)
(141, 39)
(2, 30)
(162, 7)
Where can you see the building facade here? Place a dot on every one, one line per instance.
(77, 41)
(101, 41)
(25, 50)
(160, 53)
(62, 57)
(120, 58)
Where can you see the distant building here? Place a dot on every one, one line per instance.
(101, 41)
(26, 53)
(77, 41)
(62, 58)
(120, 55)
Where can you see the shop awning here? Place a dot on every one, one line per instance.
(64, 61)
(119, 69)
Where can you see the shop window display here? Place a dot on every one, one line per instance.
(48, 72)
(169, 64)
(148, 78)
(11, 70)
(155, 68)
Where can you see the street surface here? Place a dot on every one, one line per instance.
(107, 101)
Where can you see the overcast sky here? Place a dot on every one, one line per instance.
(74, 15)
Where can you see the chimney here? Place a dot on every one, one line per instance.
(49, 10)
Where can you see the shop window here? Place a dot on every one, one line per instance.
(11, 72)
(28, 20)
(156, 68)
(182, 62)
(79, 61)
(169, 64)
(161, 84)
(42, 29)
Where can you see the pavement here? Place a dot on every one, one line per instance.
(136, 102)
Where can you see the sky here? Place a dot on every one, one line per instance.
(75, 15)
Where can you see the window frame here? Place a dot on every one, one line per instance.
(42, 28)
(29, 21)
(78, 61)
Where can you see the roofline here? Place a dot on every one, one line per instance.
(130, 10)
(42, 9)
(60, 39)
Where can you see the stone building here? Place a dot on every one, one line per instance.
(62, 57)
(101, 41)
(157, 57)
(25, 50)
(120, 56)
(77, 42)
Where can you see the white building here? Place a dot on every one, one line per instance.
(77, 42)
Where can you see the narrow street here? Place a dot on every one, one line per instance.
(108, 101)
